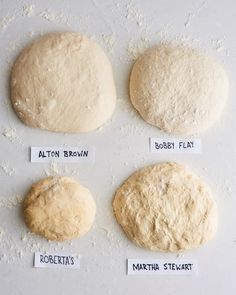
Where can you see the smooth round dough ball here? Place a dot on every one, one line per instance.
(166, 207)
(63, 82)
(59, 208)
(178, 89)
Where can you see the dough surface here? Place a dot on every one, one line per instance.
(178, 89)
(63, 82)
(59, 208)
(166, 207)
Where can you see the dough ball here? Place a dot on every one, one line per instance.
(63, 82)
(166, 207)
(178, 89)
(59, 208)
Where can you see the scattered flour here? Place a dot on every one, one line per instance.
(6, 169)
(28, 10)
(133, 13)
(11, 202)
(5, 21)
(165, 33)
(55, 17)
(218, 44)
(135, 48)
(109, 41)
(180, 255)
(55, 169)
(193, 14)
(11, 134)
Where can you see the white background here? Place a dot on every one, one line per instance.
(121, 148)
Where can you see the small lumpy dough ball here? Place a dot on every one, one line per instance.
(166, 207)
(59, 208)
(63, 82)
(178, 89)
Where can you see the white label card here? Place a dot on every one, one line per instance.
(62, 154)
(176, 145)
(56, 260)
(162, 267)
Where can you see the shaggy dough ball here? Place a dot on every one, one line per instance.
(63, 82)
(59, 208)
(178, 89)
(166, 207)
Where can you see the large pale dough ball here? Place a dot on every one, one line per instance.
(59, 208)
(178, 89)
(166, 207)
(63, 82)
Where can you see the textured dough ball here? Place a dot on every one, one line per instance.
(59, 208)
(63, 82)
(166, 207)
(178, 89)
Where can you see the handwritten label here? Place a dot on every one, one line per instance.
(175, 145)
(55, 260)
(161, 267)
(62, 154)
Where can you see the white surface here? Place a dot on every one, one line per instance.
(122, 146)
